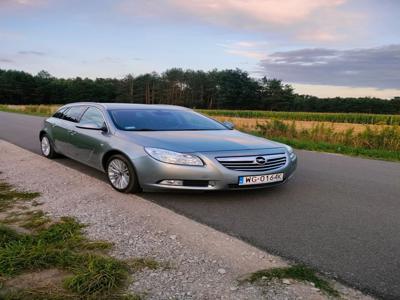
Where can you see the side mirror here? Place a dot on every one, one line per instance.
(92, 126)
(228, 125)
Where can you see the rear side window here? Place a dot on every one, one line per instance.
(60, 114)
(93, 115)
(74, 113)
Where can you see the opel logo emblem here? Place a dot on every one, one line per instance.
(261, 160)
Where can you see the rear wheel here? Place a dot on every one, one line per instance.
(121, 174)
(47, 147)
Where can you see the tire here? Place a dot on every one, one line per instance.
(46, 147)
(122, 175)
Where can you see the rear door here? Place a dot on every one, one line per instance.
(66, 130)
(58, 131)
(89, 144)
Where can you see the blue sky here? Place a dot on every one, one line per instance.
(322, 47)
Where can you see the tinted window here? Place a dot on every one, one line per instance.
(162, 120)
(74, 113)
(92, 115)
(60, 114)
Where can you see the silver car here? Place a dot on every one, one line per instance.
(164, 147)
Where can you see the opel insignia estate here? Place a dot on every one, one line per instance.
(164, 147)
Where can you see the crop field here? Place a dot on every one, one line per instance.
(356, 118)
(250, 124)
(368, 135)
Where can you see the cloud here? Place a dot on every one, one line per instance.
(296, 18)
(255, 12)
(10, 35)
(244, 53)
(6, 60)
(369, 67)
(327, 91)
(32, 52)
(234, 13)
(249, 49)
(320, 36)
(18, 4)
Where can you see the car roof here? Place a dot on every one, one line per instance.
(110, 106)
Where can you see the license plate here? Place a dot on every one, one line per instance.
(260, 179)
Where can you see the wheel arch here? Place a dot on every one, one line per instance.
(110, 153)
(42, 133)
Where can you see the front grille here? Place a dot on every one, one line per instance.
(258, 163)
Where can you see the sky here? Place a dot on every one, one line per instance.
(325, 48)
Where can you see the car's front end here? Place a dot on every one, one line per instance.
(176, 148)
(215, 170)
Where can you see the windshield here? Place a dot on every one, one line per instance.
(162, 120)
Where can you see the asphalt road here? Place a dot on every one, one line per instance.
(340, 215)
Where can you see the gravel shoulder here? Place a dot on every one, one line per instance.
(204, 263)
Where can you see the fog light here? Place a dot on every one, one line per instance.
(172, 182)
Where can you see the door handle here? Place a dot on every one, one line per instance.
(72, 132)
(53, 125)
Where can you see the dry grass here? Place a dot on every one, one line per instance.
(40, 110)
(250, 124)
(385, 139)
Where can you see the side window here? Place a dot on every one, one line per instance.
(74, 113)
(60, 113)
(93, 115)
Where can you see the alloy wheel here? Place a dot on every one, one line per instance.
(45, 145)
(119, 174)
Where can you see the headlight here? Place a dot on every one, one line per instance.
(175, 158)
(291, 152)
(289, 149)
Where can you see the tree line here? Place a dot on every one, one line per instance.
(216, 89)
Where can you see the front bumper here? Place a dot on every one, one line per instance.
(212, 176)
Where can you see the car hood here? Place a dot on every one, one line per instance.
(198, 141)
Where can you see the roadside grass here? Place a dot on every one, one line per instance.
(139, 264)
(379, 144)
(297, 272)
(34, 219)
(8, 196)
(340, 149)
(48, 244)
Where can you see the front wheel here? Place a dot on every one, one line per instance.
(47, 147)
(122, 175)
